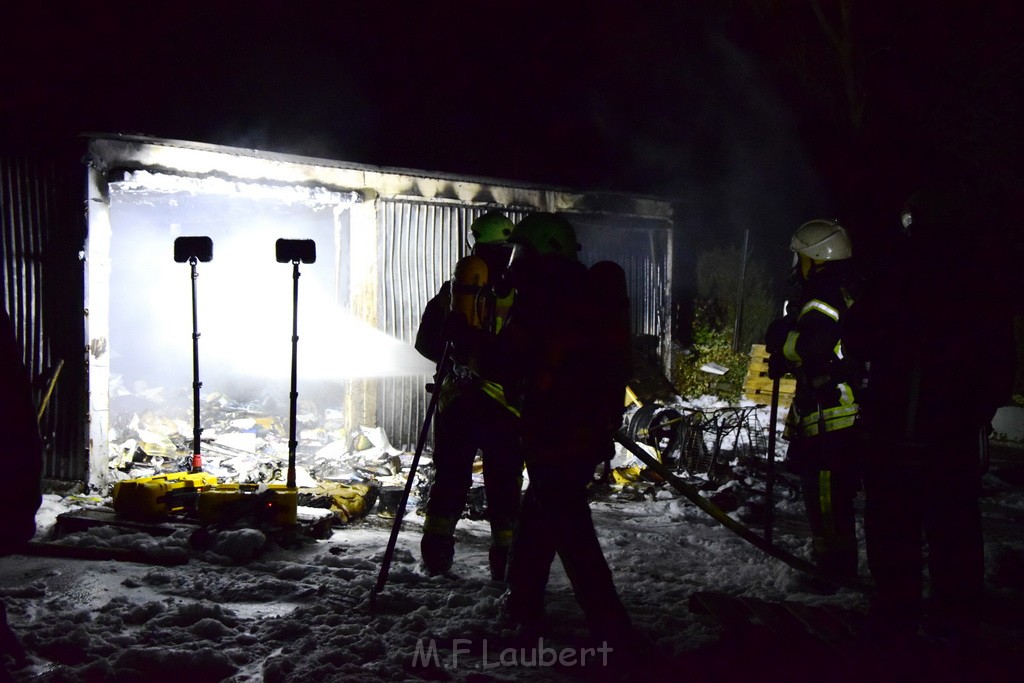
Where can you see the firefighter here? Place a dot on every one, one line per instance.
(24, 448)
(807, 343)
(565, 357)
(936, 328)
(23, 465)
(472, 411)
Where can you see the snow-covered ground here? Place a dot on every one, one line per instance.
(248, 610)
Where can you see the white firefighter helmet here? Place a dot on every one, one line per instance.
(822, 240)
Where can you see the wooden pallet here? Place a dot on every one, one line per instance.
(757, 386)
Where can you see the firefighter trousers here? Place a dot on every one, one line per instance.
(913, 495)
(473, 421)
(830, 477)
(555, 519)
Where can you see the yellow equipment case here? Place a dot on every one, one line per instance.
(274, 504)
(160, 495)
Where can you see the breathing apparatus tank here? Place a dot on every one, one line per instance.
(470, 294)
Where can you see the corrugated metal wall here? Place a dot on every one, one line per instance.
(421, 241)
(43, 229)
(642, 246)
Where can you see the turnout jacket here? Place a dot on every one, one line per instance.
(809, 341)
(440, 325)
(564, 357)
(936, 329)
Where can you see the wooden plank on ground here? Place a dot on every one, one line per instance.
(827, 628)
(789, 622)
(776, 617)
(725, 609)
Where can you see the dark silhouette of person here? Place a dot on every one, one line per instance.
(23, 447)
(565, 354)
(473, 413)
(22, 464)
(936, 330)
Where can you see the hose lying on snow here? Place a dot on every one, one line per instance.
(728, 522)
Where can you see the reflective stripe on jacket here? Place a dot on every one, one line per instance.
(814, 351)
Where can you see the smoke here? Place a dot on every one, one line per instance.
(245, 304)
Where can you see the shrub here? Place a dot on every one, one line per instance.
(712, 343)
(714, 323)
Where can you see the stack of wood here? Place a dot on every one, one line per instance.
(757, 386)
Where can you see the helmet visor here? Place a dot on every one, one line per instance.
(520, 253)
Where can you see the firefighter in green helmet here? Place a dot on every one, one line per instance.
(807, 343)
(472, 411)
(565, 361)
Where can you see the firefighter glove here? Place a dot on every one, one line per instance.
(775, 336)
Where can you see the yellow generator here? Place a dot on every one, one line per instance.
(159, 496)
(270, 504)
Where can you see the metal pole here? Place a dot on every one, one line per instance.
(739, 295)
(197, 458)
(385, 567)
(769, 479)
(294, 395)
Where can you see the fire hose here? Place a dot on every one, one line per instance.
(693, 494)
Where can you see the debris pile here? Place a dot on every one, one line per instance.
(246, 442)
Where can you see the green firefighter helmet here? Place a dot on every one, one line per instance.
(822, 240)
(546, 233)
(493, 227)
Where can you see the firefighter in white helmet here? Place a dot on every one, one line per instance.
(807, 343)
(472, 411)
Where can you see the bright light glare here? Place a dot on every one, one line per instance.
(312, 198)
(245, 298)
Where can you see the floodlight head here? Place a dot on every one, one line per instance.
(188, 248)
(296, 251)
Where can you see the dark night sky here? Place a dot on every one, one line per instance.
(736, 111)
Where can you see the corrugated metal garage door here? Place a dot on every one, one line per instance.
(420, 242)
(42, 226)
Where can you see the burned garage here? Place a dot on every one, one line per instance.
(511, 342)
(385, 241)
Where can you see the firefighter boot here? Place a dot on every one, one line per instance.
(837, 555)
(438, 552)
(437, 547)
(497, 556)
